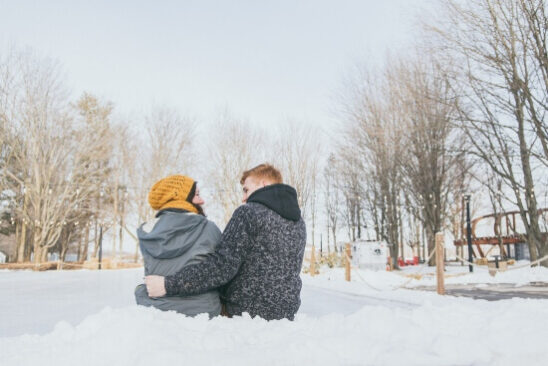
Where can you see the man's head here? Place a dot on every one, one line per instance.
(261, 176)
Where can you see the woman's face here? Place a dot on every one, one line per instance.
(197, 200)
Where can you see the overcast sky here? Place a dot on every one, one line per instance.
(264, 60)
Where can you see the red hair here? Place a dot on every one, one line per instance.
(263, 171)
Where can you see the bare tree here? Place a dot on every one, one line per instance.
(351, 169)
(436, 156)
(234, 148)
(123, 165)
(374, 130)
(533, 21)
(501, 84)
(46, 153)
(167, 149)
(10, 222)
(94, 116)
(332, 197)
(297, 156)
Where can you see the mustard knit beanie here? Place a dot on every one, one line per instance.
(172, 192)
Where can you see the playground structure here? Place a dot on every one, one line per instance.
(505, 236)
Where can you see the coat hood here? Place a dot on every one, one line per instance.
(280, 198)
(172, 234)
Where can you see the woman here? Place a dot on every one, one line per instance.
(179, 235)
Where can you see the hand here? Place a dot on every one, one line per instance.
(155, 286)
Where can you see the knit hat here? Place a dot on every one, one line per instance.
(173, 192)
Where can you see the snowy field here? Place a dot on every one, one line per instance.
(88, 318)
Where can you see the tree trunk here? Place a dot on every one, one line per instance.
(37, 247)
(534, 239)
(96, 246)
(122, 223)
(84, 253)
(328, 233)
(80, 244)
(95, 240)
(44, 255)
(27, 247)
(334, 230)
(65, 245)
(430, 240)
(21, 243)
(358, 214)
(63, 254)
(115, 221)
(17, 243)
(22, 239)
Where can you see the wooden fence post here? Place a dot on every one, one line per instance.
(313, 261)
(440, 265)
(347, 266)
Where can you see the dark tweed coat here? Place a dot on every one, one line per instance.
(258, 261)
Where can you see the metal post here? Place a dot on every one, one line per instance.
(321, 245)
(469, 232)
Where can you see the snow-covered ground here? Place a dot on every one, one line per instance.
(88, 318)
(420, 276)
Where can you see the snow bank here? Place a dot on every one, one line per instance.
(459, 332)
(340, 323)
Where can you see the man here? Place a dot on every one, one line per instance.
(259, 258)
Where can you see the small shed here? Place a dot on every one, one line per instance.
(370, 254)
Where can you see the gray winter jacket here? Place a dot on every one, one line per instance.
(169, 243)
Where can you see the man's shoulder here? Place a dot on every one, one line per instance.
(249, 208)
(255, 211)
(242, 210)
(242, 213)
(258, 210)
(249, 213)
(254, 206)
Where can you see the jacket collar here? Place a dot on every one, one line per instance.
(280, 198)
